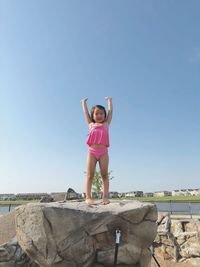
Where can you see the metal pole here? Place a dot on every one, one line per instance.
(156, 260)
(117, 241)
(190, 210)
(170, 206)
(152, 254)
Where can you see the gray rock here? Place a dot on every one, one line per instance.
(46, 199)
(71, 194)
(11, 255)
(7, 227)
(74, 234)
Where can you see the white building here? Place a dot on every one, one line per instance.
(134, 194)
(4, 197)
(186, 192)
(162, 193)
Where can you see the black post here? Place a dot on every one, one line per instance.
(117, 241)
(170, 206)
(152, 254)
(156, 260)
(190, 209)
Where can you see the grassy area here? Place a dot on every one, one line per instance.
(192, 199)
(16, 202)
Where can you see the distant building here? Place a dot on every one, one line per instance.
(195, 192)
(120, 195)
(134, 194)
(162, 193)
(113, 195)
(186, 192)
(4, 197)
(176, 193)
(30, 196)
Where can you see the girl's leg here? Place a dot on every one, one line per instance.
(91, 166)
(103, 164)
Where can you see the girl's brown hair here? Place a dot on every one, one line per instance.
(93, 109)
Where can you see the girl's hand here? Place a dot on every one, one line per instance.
(85, 110)
(84, 99)
(110, 109)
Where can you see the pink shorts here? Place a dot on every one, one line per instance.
(98, 152)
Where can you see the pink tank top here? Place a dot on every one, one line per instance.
(99, 135)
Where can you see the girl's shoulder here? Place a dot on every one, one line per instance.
(106, 124)
(91, 124)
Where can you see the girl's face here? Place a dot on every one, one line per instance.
(98, 115)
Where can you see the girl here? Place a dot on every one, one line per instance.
(98, 142)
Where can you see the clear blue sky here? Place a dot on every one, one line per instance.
(143, 53)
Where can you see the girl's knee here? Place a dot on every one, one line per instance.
(90, 176)
(104, 176)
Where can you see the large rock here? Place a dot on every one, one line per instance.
(73, 234)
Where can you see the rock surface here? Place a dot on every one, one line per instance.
(178, 239)
(65, 196)
(73, 234)
(7, 227)
(11, 255)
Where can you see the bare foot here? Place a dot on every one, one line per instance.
(106, 201)
(89, 201)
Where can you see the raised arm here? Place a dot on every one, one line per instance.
(110, 109)
(85, 110)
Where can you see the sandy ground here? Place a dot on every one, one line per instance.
(171, 264)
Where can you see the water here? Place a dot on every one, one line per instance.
(179, 208)
(172, 207)
(5, 209)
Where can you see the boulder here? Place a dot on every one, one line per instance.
(71, 194)
(74, 234)
(65, 196)
(60, 196)
(46, 199)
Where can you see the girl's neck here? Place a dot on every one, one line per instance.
(99, 122)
